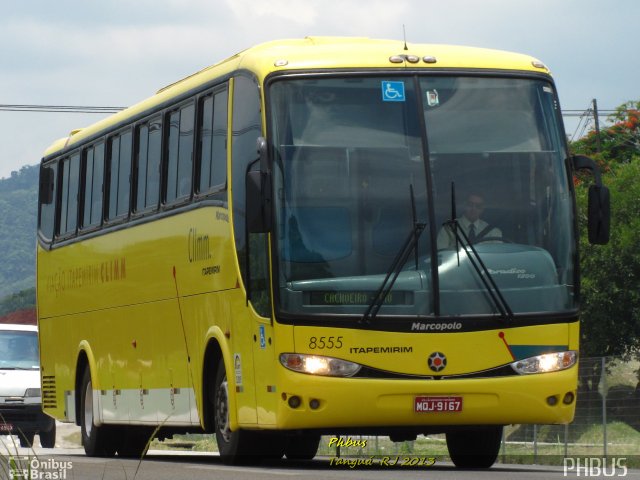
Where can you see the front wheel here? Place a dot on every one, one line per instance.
(48, 438)
(26, 439)
(474, 448)
(97, 441)
(235, 447)
(302, 447)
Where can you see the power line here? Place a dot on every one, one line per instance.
(99, 109)
(58, 108)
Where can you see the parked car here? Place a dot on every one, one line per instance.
(20, 395)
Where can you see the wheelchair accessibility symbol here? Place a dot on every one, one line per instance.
(393, 91)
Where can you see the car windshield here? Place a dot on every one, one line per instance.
(359, 161)
(18, 350)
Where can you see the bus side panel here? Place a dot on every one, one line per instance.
(124, 294)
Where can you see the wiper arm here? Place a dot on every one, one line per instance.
(394, 270)
(481, 269)
(392, 275)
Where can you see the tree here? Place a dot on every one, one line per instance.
(610, 288)
(610, 293)
(619, 142)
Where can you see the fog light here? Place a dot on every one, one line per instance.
(294, 402)
(552, 400)
(314, 404)
(568, 399)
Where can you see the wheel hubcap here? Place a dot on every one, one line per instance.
(88, 409)
(222, 411)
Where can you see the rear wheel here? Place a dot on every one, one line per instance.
(98, 441)
(476, 448)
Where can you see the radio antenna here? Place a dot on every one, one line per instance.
(404, 34)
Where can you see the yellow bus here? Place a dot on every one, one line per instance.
(277, 247)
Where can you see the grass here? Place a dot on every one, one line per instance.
(12, 461)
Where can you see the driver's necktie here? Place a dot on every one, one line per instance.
(472, 233)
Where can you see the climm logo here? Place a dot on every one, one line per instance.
(87, 275)
(198, 246)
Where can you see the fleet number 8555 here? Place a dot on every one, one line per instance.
(325, 342)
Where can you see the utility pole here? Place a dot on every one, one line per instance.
(597, 123)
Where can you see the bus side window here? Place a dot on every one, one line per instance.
(119, 175)
(48, 190)
(147, 166)
(180, 154)
(93, 177)
(212, 135)
(246, 129)
(70, 170)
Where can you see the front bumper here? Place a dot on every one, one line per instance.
(367, 404)
(24, 418)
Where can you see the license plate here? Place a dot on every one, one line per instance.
(6, 427)
(437, 404)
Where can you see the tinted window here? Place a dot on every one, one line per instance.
(213, 142)
(69, 195)
(119, 172)
(246, 129)
(93, 177)
(148, 164)
(180, 153)
(48, 210)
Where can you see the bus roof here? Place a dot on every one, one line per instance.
(320, 53)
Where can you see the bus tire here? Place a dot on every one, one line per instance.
(235, 447)
(302, 447)
(98, 441)
(48, 438)
(26, 439)
(474, 448)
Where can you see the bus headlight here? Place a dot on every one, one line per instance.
(319, 365)
(549, 362)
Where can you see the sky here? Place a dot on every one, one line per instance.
(117, 52)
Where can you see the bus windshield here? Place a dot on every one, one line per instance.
(360, 161)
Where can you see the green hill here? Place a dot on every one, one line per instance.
(18, 216)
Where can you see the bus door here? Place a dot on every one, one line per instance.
(264, 355)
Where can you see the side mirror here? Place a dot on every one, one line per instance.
(258, 193)
(598, 214)
(47, 178)
(599, 208)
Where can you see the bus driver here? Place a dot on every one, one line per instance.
(476, 229)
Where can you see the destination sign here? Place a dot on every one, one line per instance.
(350, 297)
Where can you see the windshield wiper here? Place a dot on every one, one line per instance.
(481, 269)
(396, 266)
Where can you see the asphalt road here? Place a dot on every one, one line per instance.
(70, 464)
